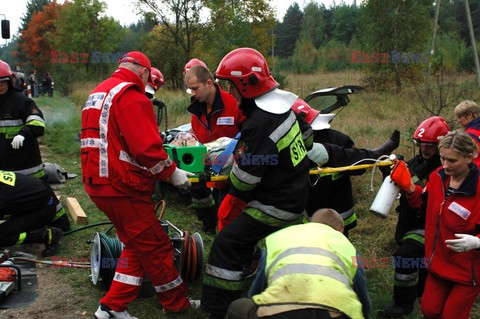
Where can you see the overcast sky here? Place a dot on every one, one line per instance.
(122, 10)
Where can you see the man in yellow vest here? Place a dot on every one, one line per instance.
(310, 272)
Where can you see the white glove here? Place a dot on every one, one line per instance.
(464, 243)
(318, 154)
(18, 141)
(179, 178)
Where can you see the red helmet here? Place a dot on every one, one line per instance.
(432, 130)
(300, 106)
(157, 79)
(191, 64)
(248, 70)
(5, 71)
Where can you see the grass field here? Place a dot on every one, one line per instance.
(369, 119)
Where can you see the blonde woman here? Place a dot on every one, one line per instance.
(452, 238)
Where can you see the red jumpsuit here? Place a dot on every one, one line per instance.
(122, 154)
(453, 278)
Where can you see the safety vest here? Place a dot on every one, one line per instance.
(311, 265)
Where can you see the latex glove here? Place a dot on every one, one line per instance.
(18, 141)
(464, 242)
(179, 178)
(230, 208)
(401, 176)
(318, 154)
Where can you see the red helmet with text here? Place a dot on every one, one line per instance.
(190, 64)
(5, 72)
(248, 70)
(157, 79)
(432, 130)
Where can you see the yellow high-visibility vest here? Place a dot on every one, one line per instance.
(312, 265)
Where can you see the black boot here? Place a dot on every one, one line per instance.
(386, 148)
(49, 236)
(52, 241)
(397, 311)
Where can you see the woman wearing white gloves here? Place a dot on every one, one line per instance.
(452, 210)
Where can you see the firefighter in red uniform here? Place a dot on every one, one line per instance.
(270, 174)
(215, 114)
(452, 215)
(468, 116)
(122, 154)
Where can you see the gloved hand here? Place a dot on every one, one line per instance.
(318, 154)
(464, 242)
(230, 209)
(179, 178)
(401, 176)
(18, 141)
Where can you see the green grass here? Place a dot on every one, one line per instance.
(369, 119)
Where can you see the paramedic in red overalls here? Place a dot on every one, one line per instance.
(122, 154)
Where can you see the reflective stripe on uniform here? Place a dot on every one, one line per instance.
(223, 273)
(406, 280)
(273, 211)
(169, 286)
(270, 220)
(223, 278)
(60, 212)
(242, 180)
(10, 123)
(348, 217)
(308, 251)
(21, 238)
(157, 168)
(37, 118)
(95, 101)
(124, 156)
(203, 202)
(128, 279)
(289, 138)
(222, 284)
(310, 269)
(280, 131)
(90, 142)
(103, 126)
(417, 235)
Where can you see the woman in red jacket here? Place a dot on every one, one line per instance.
(452, 232)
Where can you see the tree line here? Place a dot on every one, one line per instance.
(55, 37)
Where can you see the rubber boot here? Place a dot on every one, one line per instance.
(49, 236)
(52, 241)
(388, 147)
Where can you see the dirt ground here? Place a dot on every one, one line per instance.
(55, 299)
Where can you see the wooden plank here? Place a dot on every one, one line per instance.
(76, 211)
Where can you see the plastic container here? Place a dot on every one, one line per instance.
(386, 196)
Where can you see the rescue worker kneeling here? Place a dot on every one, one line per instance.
(31, 205)
(308, 272)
